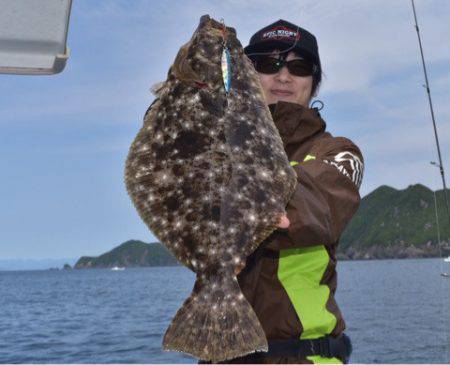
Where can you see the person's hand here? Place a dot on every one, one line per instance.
(284, 222)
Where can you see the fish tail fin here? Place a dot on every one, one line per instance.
(216, 322)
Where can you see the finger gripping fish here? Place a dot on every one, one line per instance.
(208, 175)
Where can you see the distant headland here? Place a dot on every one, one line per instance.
(390, 223)
(132, 253)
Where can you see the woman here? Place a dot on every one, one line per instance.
(290, 280)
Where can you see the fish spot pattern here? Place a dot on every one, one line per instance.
(208, 175)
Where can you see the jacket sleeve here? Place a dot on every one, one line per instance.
(326, 197)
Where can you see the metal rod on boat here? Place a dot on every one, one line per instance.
(441, 166)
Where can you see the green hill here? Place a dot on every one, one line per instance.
(131, 253)
(397, 223)
(389, 223)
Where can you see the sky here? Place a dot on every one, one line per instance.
(64, 138)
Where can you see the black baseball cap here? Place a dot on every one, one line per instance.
(283, 35)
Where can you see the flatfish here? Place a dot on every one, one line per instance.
(208, 175)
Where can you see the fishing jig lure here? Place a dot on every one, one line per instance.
(226, 60)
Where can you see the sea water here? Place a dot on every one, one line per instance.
(396, 311)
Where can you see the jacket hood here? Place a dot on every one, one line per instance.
(295, 122)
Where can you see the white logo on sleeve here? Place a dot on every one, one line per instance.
(350, 165)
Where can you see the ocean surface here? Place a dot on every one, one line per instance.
(397, 311)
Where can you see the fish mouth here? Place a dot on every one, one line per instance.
(204, 19)
(207, 21)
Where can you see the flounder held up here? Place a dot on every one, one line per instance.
(209, 176)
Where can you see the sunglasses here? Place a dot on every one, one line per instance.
(271, 65)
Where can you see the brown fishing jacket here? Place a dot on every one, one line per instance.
(291, 279)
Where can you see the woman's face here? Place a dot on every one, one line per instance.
(283, 86)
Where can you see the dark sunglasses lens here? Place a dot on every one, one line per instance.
(300, 68)
(268, 65)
